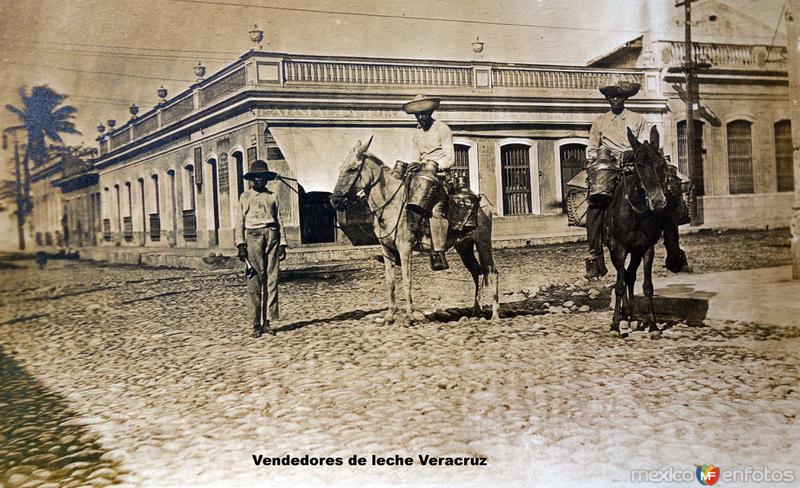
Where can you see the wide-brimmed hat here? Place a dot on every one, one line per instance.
(421, 104)
(259, 168)
(625, 89)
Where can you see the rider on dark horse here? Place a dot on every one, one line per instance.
(606, 153)
(433, 151)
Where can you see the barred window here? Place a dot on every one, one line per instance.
(460, 168)
(683, 156)
(516, 179)
(740, 157)
(783, 155)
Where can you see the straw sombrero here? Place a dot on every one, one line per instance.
(625, 89)
(420, 104)
(259, 167)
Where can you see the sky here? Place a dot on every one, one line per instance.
(106, 54)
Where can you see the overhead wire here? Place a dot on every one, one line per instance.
(112, 46)
(407, 17)
(109, 73)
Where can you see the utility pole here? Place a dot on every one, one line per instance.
(688, 68)
(21, 203)
(793, 48)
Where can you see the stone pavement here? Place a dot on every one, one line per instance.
(763, 295)
(155, 371)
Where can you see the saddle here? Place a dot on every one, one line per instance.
(679, 188)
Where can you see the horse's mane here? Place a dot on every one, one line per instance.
(375, 159)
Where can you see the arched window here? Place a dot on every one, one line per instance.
(783, 155)
(740, 157)
(515, 167)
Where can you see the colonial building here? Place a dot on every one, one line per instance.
(171, 176)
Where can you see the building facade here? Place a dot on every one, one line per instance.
(171, 177)
(742, 124)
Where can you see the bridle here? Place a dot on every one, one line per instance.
(626, 193)
(348, 196)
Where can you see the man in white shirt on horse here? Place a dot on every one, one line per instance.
(433, 148)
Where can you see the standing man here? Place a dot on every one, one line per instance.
(261, 241)
(607, 150)
(433, 143)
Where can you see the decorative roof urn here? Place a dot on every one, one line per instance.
(199, 71)
(162, 95)
(134, 110)
(477, 46)
(256, 36)
(111, 123)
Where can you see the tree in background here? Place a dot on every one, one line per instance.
(43, 118)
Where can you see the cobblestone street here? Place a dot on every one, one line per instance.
(148, 377)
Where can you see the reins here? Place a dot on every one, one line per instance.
(626, 194)
(381, 208)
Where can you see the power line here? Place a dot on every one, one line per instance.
(406, 17)
(111, 46)
(775, 32)
(124, 55)
(110, 73)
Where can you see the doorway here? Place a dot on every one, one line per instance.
(214, 235)
(317, 217)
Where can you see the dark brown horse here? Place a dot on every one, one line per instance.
(633, 223)
(364, 176)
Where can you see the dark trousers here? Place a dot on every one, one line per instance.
(594, 230)
(262, 251)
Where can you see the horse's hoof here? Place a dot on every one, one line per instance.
(624, 334)
(655, 334)
(408, 322)
(388, 320)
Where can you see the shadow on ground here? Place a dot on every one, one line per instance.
(42, 442)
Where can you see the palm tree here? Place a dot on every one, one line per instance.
(42, 118)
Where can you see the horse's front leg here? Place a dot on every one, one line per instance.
(630, 281)
(388, 264)
(618, 260)
(405, 271)
(647, 286)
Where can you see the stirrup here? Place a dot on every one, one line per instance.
(438, 261)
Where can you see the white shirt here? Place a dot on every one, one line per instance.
(611, 131)
(435, 144)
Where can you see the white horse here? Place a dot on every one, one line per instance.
(362, 175)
